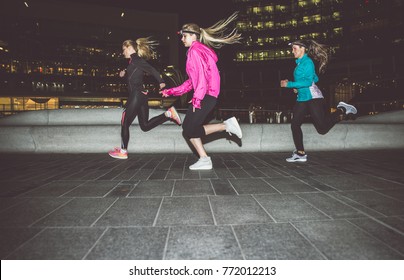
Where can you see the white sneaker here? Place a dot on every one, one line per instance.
(349, 109)
(204, 163)
(296, 157)
(232, 127)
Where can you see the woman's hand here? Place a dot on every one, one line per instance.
(164, 92)
(193, 108)
(284, 83)
(162, 85)
(122, 73)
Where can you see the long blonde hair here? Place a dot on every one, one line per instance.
(218, 34)
(144, 47)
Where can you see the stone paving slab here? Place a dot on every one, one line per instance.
(342, 240)
(202, 243)
(253, 206)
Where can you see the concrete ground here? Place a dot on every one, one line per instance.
(338, 205)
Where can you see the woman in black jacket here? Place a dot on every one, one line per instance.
(137, 105)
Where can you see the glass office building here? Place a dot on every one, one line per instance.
(366, 37)
(56, 54)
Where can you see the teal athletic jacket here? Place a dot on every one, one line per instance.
(305, 75)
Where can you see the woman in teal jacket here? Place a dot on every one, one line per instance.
(309, 97)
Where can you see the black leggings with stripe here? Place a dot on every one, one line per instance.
(137, 106)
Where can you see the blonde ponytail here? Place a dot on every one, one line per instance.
(144, 47)
(218, 34)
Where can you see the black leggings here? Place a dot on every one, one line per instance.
(137, 106)
(322, 122)
(193, 122)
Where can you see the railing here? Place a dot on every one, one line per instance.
(255, 116)
(250, 116)
(246, 115)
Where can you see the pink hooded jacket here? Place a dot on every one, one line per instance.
(203, 74)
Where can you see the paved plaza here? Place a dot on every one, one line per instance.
(253, 206)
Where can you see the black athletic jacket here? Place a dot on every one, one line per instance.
(135, 72)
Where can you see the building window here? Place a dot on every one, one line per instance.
(269, 9)
(281, 8)
(262, 55)
(336, 15)
(338, 31)
(260, 25)
(260, 41)
(257, 10)
(302, 4)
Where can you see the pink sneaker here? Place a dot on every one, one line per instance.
(174, 115)
(117, 153)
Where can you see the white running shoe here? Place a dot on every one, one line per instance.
(296, 157)
(204, 163)
(349, 109)
(232, 127)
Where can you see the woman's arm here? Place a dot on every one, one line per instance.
(146, 67)
(196, 68)
(180, 90)
(305, 75)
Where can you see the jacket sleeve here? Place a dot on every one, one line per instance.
(304, 77)
(151, 70)
(197, 73)
(180, 90)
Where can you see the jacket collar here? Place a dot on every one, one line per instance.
(302, 58)
(133, 56)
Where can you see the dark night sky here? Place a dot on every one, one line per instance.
(202, 12)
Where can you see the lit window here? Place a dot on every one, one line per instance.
(302, 4)
(269, 24)
(257, 10)
(338, 30)
(242, 26)
(248, 56)
(285, 38)
(260, 25)
(336, 15)
(269, 9)
(281, 8)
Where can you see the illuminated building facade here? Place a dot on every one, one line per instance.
(365, 35)
(56, 54)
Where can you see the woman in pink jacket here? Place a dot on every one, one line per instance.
(204, 79)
